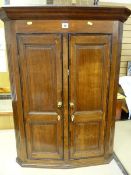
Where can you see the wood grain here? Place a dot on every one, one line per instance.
(89, 76)
(50, 64)
(41, 75)
(65, 12)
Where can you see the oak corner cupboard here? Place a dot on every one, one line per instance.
(64, 68)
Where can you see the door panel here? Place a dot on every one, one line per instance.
(44, 137)
(88, 97)
(40, 65)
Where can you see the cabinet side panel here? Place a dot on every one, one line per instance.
(114, 77)
(12, 56)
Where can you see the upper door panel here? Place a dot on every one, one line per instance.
(41, 67)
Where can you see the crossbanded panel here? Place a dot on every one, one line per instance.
(41, 77)
(89, 63)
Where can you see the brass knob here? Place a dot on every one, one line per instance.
(71, 104)
(59, 104)
(72, 118)
(58, 117)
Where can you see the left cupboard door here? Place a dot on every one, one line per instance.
(40, 65)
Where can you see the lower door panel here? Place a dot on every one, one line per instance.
(44, 138)
(86, 136)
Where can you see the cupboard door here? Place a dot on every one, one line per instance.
(88, 94)
(40, 65)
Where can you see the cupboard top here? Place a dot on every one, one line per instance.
(64, 12)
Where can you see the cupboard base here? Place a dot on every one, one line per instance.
(64, 164)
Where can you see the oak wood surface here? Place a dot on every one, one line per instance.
(89, 76)
(15, 89)
(40, 65)
(50, 64)
(65, 12)
(43, 26)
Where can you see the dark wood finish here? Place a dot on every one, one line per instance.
(15, 90)
(118, 109)
(89, 76)
(65, 96)
(65, 12)
(113, 86)
(50, 64)
(40, 65)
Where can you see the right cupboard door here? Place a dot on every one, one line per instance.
(89, 64)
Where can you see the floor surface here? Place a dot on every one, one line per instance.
(8, 165)
(122, 144)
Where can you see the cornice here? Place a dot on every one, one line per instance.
(64, 12)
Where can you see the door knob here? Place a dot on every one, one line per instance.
(71, 104)
(58, 117)
(59, 104)
(72, 118)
